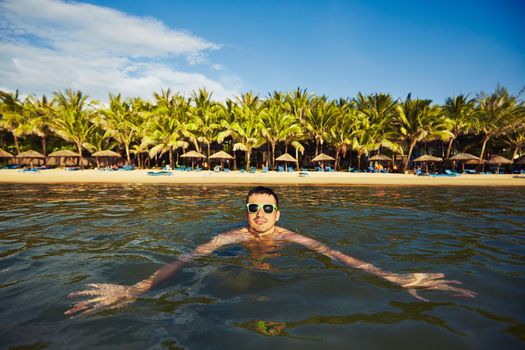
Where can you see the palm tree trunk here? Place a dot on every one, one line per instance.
(44, 151)
(449, 149)
(170, 151)
(81, 160)
(359, 160)
(127, 154)
(297, 158)
(316, 147)
(247, 158)
(17, 145)
(407, 161)
(485, 140)
(337, 151)
(273, 155)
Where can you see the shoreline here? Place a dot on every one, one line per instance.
(61, 176)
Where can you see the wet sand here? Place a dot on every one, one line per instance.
(58, 176)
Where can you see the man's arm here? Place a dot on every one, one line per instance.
(409, 281)
(112, 296)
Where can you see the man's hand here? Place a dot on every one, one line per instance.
(430, 281)
(106, 296)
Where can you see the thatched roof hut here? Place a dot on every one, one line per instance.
(379, 158)
(285, 158)
(322, 158)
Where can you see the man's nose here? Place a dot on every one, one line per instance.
(259, 213)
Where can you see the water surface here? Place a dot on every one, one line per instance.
(54, 239)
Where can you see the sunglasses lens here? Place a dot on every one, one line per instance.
(268, 208)
(252, 208)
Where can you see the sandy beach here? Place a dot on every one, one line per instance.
(60, 176)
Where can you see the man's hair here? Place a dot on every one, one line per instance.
(263, 190)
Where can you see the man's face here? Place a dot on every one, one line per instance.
(262, 222)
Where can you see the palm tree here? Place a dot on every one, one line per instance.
(278, 126)
(375, 124)
(166, 128)
(41, 112)
(122, 121)
(340, 132)
(320, 120)
(299, 103)
(13, 118)
(73, 118)
(497, 114)
(417, 121)
(460, 111)
(367, 136)
(246, 129)
(204, 118)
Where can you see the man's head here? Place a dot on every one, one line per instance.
(262, 209)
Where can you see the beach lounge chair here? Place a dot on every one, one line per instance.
(242, 171)
(160, 173)
(291, 169)
(280, 169)
(253, 170)
(451, 173)
(265, 169)
(217, 168)
(329, 169)
(303, 173)
(226, 170)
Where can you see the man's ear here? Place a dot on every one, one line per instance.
(278, 216)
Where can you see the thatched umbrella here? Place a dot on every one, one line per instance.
(322, 158)
(4, 154)
(222, 156)
(286, 158)
(426, 159)
(31, 155)
(379, 158)
(193, 155)
(463, 157)
(105, 154)
(64, 154)
(495, 159)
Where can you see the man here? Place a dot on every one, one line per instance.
(260, 237)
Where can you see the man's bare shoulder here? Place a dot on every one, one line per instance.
(233, 236)
(287, 235)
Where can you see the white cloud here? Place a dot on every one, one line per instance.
(47, 45)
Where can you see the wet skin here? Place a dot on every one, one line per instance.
(262, 238)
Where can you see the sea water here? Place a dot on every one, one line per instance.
(55, 239)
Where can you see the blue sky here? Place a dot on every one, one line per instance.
(434, 49)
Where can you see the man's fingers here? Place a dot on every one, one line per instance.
(90, 292)
(460, 292)
(436, 276)
(76, 308)
(413, 293)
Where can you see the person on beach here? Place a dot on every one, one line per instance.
(261, 237)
